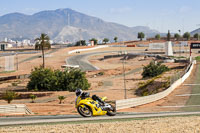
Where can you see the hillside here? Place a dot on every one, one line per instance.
(65, 24)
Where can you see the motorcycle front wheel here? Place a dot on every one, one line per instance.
(84, 110)
(111, 112)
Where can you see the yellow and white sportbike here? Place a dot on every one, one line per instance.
(87, 106)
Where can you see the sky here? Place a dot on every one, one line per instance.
(162, 15)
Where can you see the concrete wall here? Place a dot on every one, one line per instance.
(87, 49)
(14, 109)
(127, 103)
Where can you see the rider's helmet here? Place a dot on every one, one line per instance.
(78, 92)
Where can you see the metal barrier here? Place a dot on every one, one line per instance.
(127, 103)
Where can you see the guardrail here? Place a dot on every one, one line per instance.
(87, 49)
(15, 109)
(127, 103)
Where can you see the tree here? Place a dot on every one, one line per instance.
(196, 36)
(61, 98)
(168, 36)
(9, 96)
(157, 36)
(141, 35)
(95, 40)
(41, 43)
(186, 35)
(81, 43)
(105, 40)
(115, 38)
(177, 36)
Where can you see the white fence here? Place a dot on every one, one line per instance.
(14, 109)
(127, 103)
(87, 49)
(156, 46)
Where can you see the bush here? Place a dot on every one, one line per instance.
(33, 97)
(152, 87)
(153, 70)
(46, 79)
(61, 98)
(142, 89)
(9, 96)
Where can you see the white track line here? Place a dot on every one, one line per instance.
(180, 106)
(183, 95)
(190, 84)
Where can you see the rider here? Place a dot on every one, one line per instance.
(83, 95)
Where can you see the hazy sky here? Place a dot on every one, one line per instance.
(157, 14)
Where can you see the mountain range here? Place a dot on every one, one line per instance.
(65, 24)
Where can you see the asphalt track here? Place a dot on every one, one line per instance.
(8, 121)
(84, 64)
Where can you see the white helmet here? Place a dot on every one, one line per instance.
(78, 92)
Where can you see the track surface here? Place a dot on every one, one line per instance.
(84, 64)
(5, 121)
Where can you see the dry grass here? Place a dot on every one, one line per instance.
(189, 124)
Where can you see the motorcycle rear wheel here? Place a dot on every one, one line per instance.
(111, 112)
(84, 111)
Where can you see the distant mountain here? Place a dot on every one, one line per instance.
(65, 24)
(195, 31)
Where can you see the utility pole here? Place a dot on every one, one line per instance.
(125, 95)
(180, 43)
(17, 61)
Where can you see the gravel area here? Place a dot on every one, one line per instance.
(190, 124)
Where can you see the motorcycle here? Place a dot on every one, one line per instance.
(88, 107)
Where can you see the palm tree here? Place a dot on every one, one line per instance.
(41, 43)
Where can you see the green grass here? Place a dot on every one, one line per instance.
(6, 72)
(197, 58)
(195, 99)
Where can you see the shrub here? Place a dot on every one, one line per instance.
(46, 79)
(142, 89)
(153, 70)
(61, 98)
(152, 87)
(33, 97)
(9, 96)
